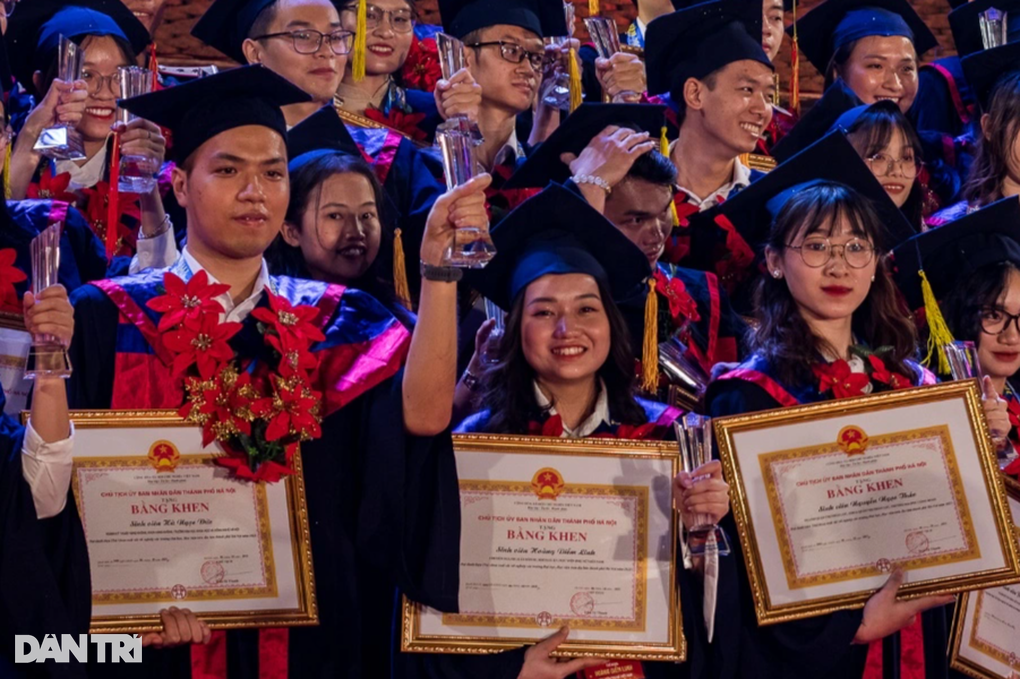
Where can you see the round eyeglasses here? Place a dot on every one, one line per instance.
(816, 252)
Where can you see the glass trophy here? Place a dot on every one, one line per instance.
(607, 43)
(48, 355)
(557, 91)
(490, 352)
(963, 360)
(472, 247)
(694, 433)
(63, 141)
(687, 380)
(137, 173)
(993, 28)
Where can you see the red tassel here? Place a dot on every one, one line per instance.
(154, 66)
(113, 199)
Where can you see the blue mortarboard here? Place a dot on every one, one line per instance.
(955, 250)
(573, 134)
(201, 109)
(320, 133)
(34, 30)
(699, 40)
(226, 24)
(983, 69)
(544, 18)
(831, 159)
(835, 23)
(558, 232)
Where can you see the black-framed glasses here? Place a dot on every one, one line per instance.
(307, 41)
(995, 321)
(401, 20)
(816, 252)
(882, 165)
(515, 54)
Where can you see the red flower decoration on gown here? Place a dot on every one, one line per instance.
(1013, 468)
(270, 471)
(9, 275)
(552, 427)
(201, 341)
(421, 69)
(838, 377)
(224, 406)
(408, 123)
(52, 187)
(682, 306)
(880, 373)
(293, 324)
(295, 361)
(94, 205)
(187, 301)
(291, 410)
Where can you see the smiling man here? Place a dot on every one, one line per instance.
(709, 59)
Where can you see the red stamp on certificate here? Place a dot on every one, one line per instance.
(616, 669)
(582, 604)
(917, 542)
(213, 572)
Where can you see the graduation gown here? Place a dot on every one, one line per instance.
(508, 664)
(44, 566)
(383, 506)
(815, 647)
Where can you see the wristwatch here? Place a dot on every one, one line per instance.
(442, 274)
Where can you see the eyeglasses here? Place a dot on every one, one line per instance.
(995, 321)
(882, 165)
(310, 42)
(401, 20)
(816, 252)
(515, 54)
(95, 82)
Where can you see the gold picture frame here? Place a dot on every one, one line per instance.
(515, 456)
(957, 660)
(896, 422)
(305, 609)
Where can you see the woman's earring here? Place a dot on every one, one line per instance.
(777, 274)
(872, 278)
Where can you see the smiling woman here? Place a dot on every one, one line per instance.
(148, 12)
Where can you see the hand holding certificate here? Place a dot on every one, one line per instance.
(831, 498)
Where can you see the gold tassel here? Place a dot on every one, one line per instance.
(360, 42)
(593, 8)
(650, 342)
(664, 150)
(7, 170)
(938, 332)
(795, 67)
(400, 285)
(576, 93)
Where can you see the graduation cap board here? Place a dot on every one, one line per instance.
(227, 23)
(199, 110)
(835, 23)
(323, 131)
(699, 40)
(580, 127)
(830, 159)
(544, 18)
(984, 69)
(965, 22)
(34, 30)
(836, 101)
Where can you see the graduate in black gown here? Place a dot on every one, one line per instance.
(382, 505)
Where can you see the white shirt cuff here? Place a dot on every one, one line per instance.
(157, 252)
(47, 468)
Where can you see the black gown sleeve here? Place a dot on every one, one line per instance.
(93, 348)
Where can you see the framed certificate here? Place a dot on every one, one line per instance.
(985, 644)
(830, 498)
(554, 532)
(167, 526)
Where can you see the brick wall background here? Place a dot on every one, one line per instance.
(176, 46)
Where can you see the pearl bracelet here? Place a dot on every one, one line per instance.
(595, 181)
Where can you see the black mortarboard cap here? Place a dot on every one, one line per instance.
(830, 159)
(983, 69)
(965, 23)
(699, 40)
(580, 127)
(323, 131)
(544, 18)
(34, 30)
(955, 250)
(199, 110)
(817, 122)
(558, 232)
(226, 24)
(835, 23)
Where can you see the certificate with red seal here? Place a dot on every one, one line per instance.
(985, 639)
(167, 526)
(562, 532)
(831, 497)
